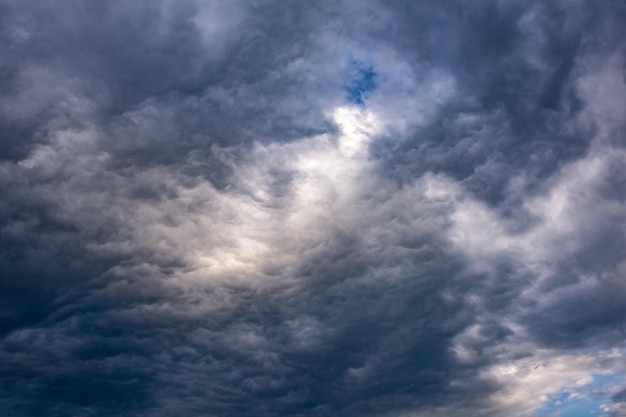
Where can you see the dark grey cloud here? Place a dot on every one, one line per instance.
(311, 209)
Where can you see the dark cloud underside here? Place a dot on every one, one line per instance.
(329, 208)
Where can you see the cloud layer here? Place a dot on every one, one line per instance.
(346, 208)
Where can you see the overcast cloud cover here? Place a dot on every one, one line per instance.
(345, 208)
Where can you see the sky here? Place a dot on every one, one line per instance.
(261, 208)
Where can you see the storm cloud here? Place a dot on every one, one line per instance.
(312, 208)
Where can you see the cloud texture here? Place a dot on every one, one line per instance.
(327, 208)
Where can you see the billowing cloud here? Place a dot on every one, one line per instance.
(312, 208)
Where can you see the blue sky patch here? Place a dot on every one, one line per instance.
(584, 401)
(361, 80)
